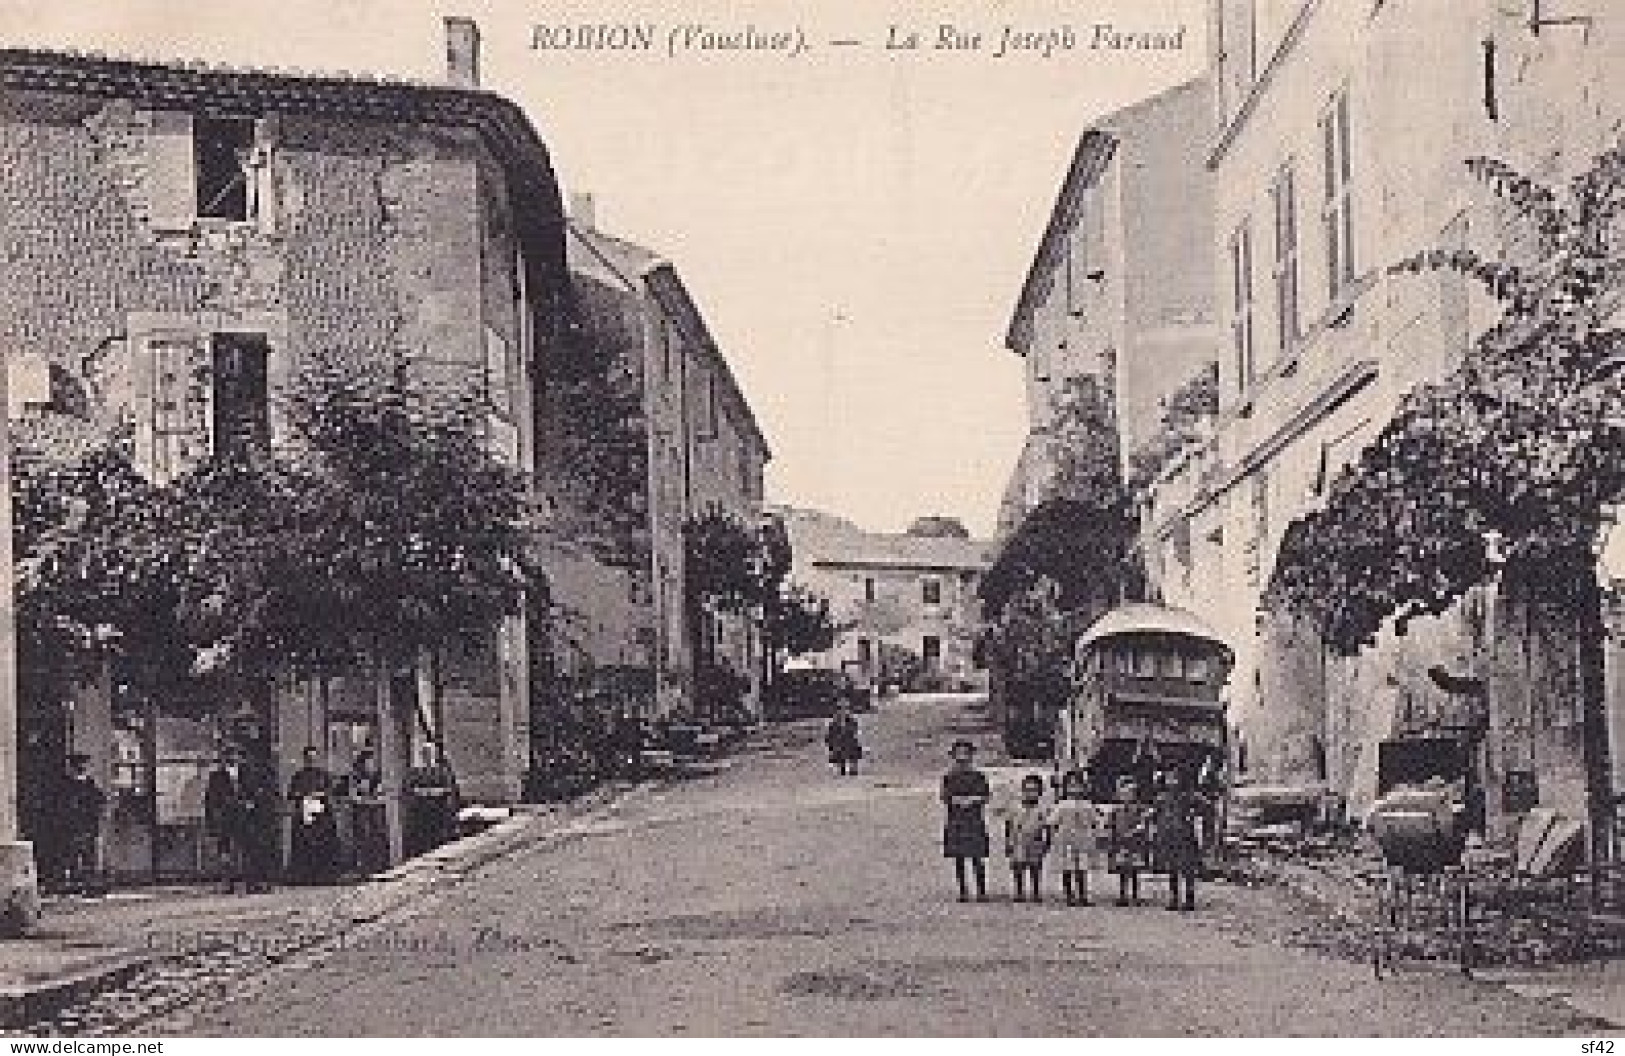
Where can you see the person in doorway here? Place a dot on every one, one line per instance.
(1027, 840)
(841, 738)
(83, 804)
(1077, 826)
(965, 794)
(1127, 831)
(371, 822)
(431, 803)
(313, 847)
(261, 824)
(1176, 848)
(224, 815)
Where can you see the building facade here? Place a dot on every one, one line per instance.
(183, 241)
(913, 591)
(1119, 293)
(1327, 169)
(704, 452)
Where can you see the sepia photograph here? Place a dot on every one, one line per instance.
(682, 519)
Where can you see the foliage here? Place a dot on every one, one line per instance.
(722, 563)
(1180, 424)
(1510, 460)
(799, 622)
(1086, 550)
(935, 527)
(383, 522)
(600, 454)
(1031, 642)
(899, 665)
(1085, 443)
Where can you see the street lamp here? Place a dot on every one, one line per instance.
(19, 883)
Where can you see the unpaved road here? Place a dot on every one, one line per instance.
(774, 898)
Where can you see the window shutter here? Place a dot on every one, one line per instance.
(171, 171)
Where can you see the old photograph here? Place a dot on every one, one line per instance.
(811, 519)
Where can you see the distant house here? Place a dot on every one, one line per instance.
(913, 591)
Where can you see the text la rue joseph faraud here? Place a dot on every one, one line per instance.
(941, 37)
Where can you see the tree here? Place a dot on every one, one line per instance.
(381, 526)
(1505, 468)
(798, 622)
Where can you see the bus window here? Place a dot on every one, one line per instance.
(1145, 663)
(1196, 668)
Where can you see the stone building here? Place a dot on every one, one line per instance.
(914, 590)
(180, 239)
(1333, 156)
(1119, 292)
(704, 451)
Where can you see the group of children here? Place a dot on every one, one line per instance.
(1126, 837)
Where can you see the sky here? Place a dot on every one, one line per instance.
(854, 221)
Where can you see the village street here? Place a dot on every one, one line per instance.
(776, 899)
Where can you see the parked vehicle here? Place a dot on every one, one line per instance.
(1146, 698)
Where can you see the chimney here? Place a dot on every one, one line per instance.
(582, 210)
(462, 52)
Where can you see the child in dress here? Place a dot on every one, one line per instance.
(1026, 838)
(1128, 839)
(1077, 828)
(965, 793)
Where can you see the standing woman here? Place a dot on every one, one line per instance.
(965, 793)
(1176, 849)
(313, 854)
(842, 741)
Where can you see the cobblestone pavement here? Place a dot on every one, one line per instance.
(777, 899)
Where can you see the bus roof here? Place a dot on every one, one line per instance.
(1147, 618)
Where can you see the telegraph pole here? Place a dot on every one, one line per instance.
(19, 885)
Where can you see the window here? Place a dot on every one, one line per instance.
(931, 591)
(242, 422)
(179, 405)
(866, 653)
(869, 590)
(931, 651)
(223, 153)
(1241, 306)
(1283, 197)
(1336, 215)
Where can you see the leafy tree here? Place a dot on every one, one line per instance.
(1506, 466)
(798, 622)
(382, 526)
(1083, 536)
(899, 665)
(599, 454)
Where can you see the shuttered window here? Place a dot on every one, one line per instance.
(1336, 213)
(1284, 200)
(173, 405)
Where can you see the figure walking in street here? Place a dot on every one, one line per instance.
(1027, 839)
(1176, 848)
(313, 851)
(965, 793)
(431, 803)
(841, 738)
(1078, 831)
(224, 820)
(83, 805)
(1127, 837)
